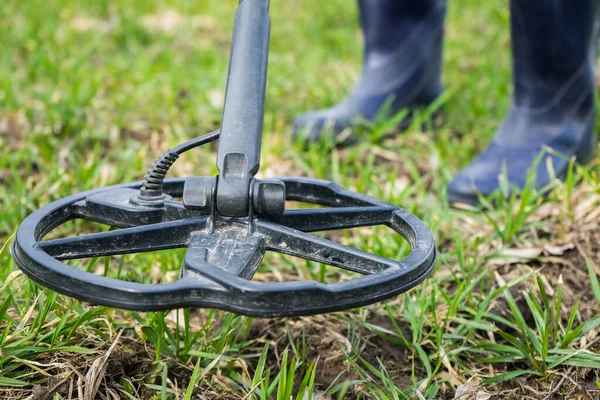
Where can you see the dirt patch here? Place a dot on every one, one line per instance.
(572, 383)
(559, 258)
(571, 268)
(170, 21)
(71, 375)
(13, 126)
(564, 262)
(86, 23)
(333, 340)
(396, 359)
(320, 338)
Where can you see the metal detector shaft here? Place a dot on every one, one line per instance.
(240, 142)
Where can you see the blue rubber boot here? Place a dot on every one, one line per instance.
(554, 54)
(401, 66)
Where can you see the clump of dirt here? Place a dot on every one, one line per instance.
(133, 361)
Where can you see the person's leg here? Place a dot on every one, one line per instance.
(554, 53)
(402, 64)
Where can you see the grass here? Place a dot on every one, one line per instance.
(91, 92)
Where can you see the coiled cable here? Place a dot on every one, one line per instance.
(155, 176)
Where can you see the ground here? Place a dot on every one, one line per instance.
(91, 92)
